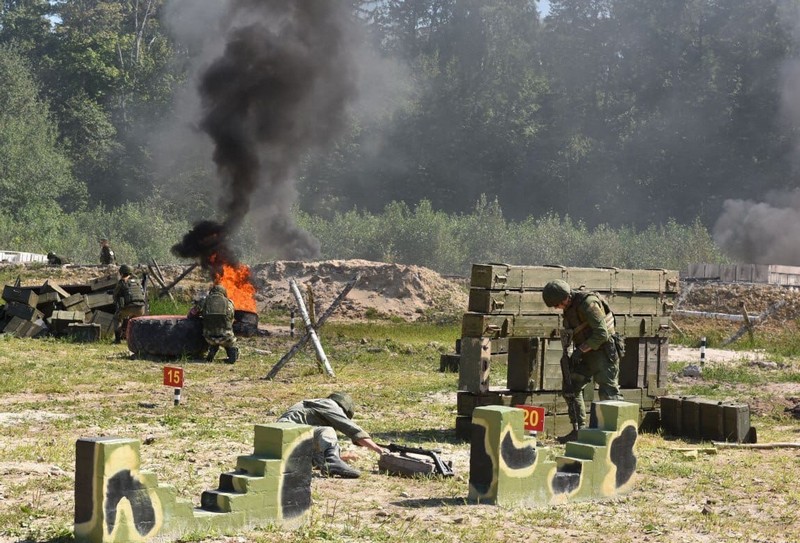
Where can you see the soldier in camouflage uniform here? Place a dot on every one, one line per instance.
(328, 415)
(107, 256)
(128, 299)
(217, 313)
(595, 355)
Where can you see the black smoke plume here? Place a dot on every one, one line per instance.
(279, 89)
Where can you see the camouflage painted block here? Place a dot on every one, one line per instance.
(117, 502)
(612, 415)
(278, 439)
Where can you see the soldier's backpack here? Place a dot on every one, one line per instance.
(132, 293)
(215, 314)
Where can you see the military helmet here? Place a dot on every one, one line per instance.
(125, 270)
(555, 292)
(345, 402)
(218, 288)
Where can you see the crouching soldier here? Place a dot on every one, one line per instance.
(217, 313)
(128, 299)
(328, 415)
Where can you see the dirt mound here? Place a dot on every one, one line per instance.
(388, 290)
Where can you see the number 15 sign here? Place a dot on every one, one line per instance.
(173, 377)
(534, 417)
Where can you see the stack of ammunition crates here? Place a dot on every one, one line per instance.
(509, 327)
(84, 312)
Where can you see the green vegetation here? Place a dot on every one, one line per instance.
(450, 244)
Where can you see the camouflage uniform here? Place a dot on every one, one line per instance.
(106, 254)
(129, 300)
(217, 313)
(328, 416)
(593, 325)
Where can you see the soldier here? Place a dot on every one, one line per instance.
(217, 313)
(590, 323)
(129, 300)
(55, 260)
(328, 415)
(107, 256)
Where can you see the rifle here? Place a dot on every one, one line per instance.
(566, 378)
(445, 469)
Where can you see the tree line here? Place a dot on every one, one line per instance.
(618, 116)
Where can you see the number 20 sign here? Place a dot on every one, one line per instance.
(173, 377)
(534, 417)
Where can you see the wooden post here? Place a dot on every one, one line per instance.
(747, 322)
(323, 360)
(185, 272)
(299, 345)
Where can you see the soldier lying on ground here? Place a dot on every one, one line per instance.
(329, 415)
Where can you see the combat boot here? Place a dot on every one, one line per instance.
(212, 352)
(233, 354)
(117, 337)
(335, 466)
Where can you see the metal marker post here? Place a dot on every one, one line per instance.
(702, 351)
(177, 397)
(291, 323)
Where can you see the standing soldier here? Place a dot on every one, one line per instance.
(589, 322)
(106, 254)
(129, 300)
(217, 313)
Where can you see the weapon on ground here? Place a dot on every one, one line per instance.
(404, 464)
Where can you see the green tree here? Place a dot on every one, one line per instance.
(34, 171)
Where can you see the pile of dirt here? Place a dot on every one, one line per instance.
(382, 290)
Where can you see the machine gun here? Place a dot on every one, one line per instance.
(403, 464)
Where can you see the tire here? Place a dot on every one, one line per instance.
(167, 336)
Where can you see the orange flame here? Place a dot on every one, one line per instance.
(236, 280)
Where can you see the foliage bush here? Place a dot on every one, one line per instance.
(447, 243)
